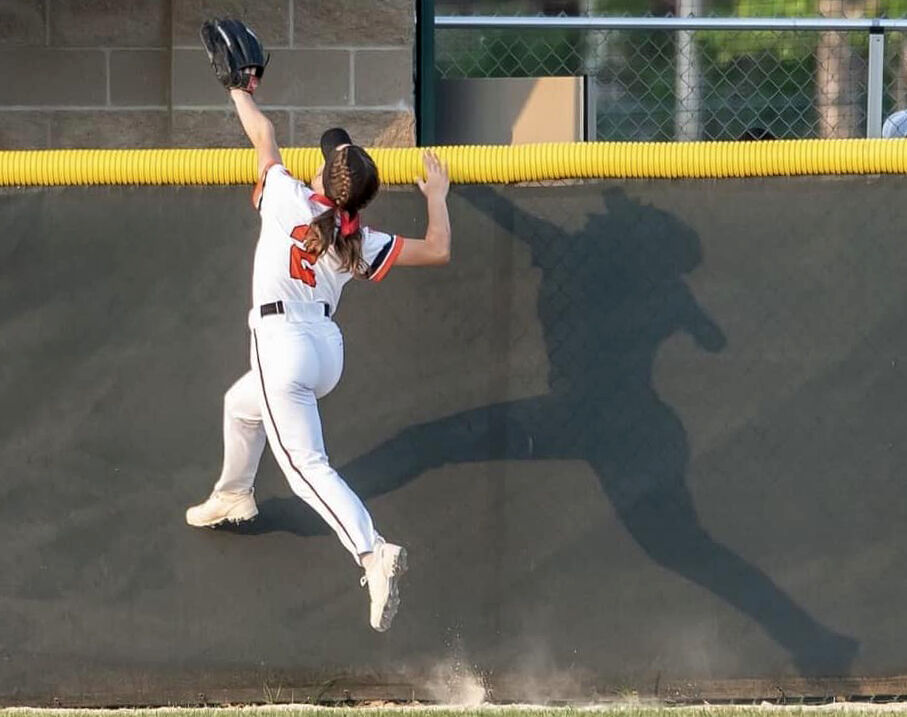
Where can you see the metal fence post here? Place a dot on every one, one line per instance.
(875, 83)
(687, 80)
(425, 72)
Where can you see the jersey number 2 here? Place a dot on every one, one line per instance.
(302, 261)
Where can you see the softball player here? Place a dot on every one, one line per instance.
(311, 244)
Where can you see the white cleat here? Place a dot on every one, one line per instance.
(222, 507)
(383, 580)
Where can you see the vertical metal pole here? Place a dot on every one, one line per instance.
(425, 72)
(687, 80)
(875, 84)
(595, 55)
(590, 108)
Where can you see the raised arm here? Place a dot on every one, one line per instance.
(239, 62)
(258, 129)
(434, 249)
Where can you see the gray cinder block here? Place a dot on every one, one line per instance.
(345, 23)
(24, 130)
(269, 18)
(22, 22)
(109, 23)
(48, 77)
(194, 82)
(368, 128)
(384, 77)
(307, 78)
(110, 129)
(214, 128)
(139, 77)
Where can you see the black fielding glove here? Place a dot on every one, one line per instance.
(235, 54)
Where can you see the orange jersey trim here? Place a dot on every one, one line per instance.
(389, 260)
(260, 185)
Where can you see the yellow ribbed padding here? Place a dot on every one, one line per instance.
(472, 164)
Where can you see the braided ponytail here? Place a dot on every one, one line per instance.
(350, 181)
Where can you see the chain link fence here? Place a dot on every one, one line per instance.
(703, 84)
(665, 8)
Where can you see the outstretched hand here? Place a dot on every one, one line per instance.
(436, 182)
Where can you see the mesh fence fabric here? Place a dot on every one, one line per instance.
(708, 84)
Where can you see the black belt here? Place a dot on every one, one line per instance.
(276, 307)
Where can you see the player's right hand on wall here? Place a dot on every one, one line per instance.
(235, 53)
(436, 182)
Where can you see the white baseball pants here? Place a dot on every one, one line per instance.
(293, 365)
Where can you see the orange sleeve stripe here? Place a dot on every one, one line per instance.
(260, 186)
(389, 259)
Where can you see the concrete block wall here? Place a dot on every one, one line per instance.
(131, 73)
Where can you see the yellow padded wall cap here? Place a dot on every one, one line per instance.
(471, 164)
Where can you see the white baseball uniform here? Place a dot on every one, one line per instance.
(297, 357)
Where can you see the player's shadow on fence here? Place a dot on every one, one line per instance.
(610, 294)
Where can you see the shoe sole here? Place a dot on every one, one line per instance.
(229, 518)
(397, 569)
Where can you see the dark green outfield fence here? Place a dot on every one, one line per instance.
(640, 435)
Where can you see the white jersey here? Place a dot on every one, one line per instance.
(296, 358)
(283, 269)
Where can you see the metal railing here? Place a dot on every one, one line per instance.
(662, 78)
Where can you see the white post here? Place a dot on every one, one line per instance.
(688, 80)
(875, 85)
